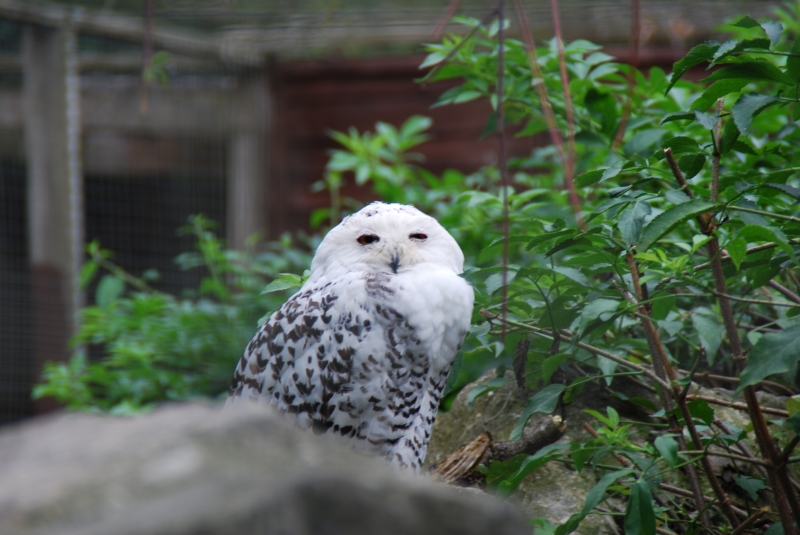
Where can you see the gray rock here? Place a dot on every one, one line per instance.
(195, 469)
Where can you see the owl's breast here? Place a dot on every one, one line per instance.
(437, 304)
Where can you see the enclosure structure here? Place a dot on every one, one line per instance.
(117, 124)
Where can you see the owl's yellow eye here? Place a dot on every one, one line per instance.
(366, 239)
(418, 236)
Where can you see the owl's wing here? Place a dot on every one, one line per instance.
(319, 358)
(364, 357)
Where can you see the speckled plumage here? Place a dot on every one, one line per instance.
(363, 350)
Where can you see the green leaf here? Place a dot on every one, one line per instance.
(485, 388)
(467, 96)
(737, 250)
(710, 333)
(544, 400)
(572, 274)
(612, 171)
(691, 164)
(754, 71)
(718, 89)
(589, 177)
(547, 236)
(414, 125)
(593, 499)
(679, 116)
(433, 59)
(751, 485)
(681, 145)
(602, 309)
(668, 448)
(748, 106)
(793, 422)
(696, 56)
(509, 474)
(773, 354)
(495, 281)
(706, 120)
(775, 529)
(643, 142)
(788, 190)
(746, 22)
(88, 271)
(671, 218)
(737, 45)
(108, 290)
(729, 137)
(793, 62)
(603, 108)
(639, 516)
(702, 410)
(283, 281)
(676, 196)
(632, 220)
(773, 29)
(551, 364)
(793, 405)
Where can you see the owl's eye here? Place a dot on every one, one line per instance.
(366, 239)
(418, 236)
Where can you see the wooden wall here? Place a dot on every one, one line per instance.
(313, 98)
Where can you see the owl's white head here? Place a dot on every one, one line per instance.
(390, 238)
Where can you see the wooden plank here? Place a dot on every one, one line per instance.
(114, 26)
(55, 189)
(248, 163)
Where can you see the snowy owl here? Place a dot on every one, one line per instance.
(364, 349)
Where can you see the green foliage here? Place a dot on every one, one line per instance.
(156, 346)
(640, 233)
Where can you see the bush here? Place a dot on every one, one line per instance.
(157, 346)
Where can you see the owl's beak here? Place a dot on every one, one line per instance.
(395, 262)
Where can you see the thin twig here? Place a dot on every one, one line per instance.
(763, 212)
(736, 405)
(539, 85)
(716, 155)
(636, 32)
(785, 497)
(733, 456)
(569, 170)
(787, 293)
(726, 379)
(438, 30)
(688, 494)
(750, 521)
(501, 149)
(756, 301)
(547, 334)
(741, 445)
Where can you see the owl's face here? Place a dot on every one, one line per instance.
(389, 238)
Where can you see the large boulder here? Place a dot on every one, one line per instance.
(195, 469)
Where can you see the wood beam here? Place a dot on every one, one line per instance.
(55, 192)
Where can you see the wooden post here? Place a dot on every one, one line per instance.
(248, 170)
(55, 188)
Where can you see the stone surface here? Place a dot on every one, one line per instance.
(195, 469)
